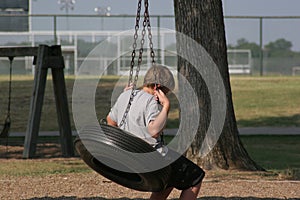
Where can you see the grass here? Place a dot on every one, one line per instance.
(42, 167)
(274, 152)
(258, 101)
(266, 101)
(277, 154)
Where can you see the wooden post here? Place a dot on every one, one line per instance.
(45, 57)
(49, 57)
(36, 103)
(62, 108)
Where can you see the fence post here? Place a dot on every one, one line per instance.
(261, 53)
(48, 57)
(158, 40)
(55, 29)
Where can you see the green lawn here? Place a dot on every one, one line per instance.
(36, 167)
(270, 151)
(277, 154)
(274, 152)
(258, 101)
(266, 101)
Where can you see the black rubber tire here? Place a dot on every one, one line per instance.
(95, 148)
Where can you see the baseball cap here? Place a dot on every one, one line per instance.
(158, 74)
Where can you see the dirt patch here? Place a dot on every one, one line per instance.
(90, 185)
(93, 186)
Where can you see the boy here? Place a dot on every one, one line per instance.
(147, 118)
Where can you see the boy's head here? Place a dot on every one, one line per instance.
(160, 75)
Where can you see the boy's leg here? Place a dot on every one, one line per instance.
(163, 195)
(190, 193)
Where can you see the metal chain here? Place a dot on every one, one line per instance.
(152, 54)
(140, 59)
(146, 23)
(147, 16)
(135, 37)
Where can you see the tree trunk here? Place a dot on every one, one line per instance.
(202, 20)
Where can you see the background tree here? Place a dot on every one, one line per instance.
(280, 47)
(245, 44)
(203, 21)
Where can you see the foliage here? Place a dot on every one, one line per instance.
(244, 44)
(279, 48)
(280, 44)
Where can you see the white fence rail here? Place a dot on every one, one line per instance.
(164, 41)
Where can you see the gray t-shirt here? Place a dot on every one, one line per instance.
(144, 108)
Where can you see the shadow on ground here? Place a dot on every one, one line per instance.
(203, 198)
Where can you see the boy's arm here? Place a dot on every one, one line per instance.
(110, 121)
(156, 126)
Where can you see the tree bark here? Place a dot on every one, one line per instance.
(202, 20)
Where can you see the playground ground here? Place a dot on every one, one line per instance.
(257, 103)
(52, 177)
(89, 185)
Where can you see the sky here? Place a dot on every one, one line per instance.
(161, 7)
(235, 29)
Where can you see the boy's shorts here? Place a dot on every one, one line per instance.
(185, 173)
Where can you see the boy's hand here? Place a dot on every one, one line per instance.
(162, 98)
(128, 87)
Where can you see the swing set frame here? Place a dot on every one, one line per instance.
(45, 57)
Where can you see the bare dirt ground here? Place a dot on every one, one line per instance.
(92, 186)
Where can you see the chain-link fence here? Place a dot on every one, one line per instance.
(273, 42)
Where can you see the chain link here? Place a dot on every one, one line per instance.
(135, 37)
(152, 54)
(147, 16)
(146, 24)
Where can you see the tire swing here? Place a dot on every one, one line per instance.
(6, 126)
(97, 149)
(111, 146)
(102, 150)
